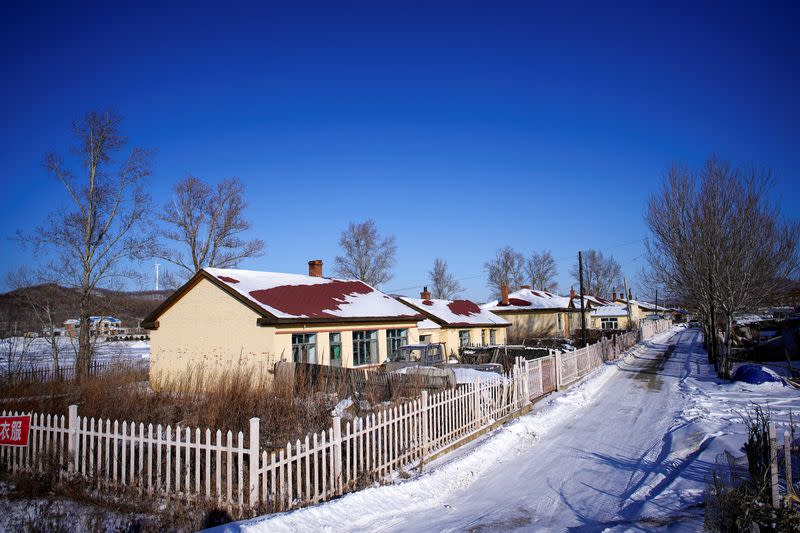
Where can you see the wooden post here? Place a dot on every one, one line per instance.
(476, 403)
(254, 454)
(337, 455)
(541, 377)
(773, 463)
(526, 389)
(557, 363)
(424, 408)
(72, 440)
(787, 454)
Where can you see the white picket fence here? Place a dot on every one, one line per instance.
(200, 464)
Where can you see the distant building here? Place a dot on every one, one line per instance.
(99, 326)
(456, 323)
(540, 314)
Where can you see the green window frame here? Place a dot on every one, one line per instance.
(365, 347)
(336, 348)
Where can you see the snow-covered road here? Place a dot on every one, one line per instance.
(627, 449)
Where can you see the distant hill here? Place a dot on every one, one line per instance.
(129, 306)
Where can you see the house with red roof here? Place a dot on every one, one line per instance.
(228, 318)
(541, 314)
(456, 323)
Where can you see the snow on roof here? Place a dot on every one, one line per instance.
(427, 324)
(299, 296)
(610, 310)
(644, 305)
(529, 299)
(456, 312)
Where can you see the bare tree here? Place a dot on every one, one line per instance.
(601, 274)
(206, 222)
(47, 303)
(505, 269)
(367, 256)
(541, 271)
(443, 284)
(104, 223)
(719, 245)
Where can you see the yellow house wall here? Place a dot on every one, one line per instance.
(209, 329)
(283, 342)
(622, 322)
(540, 324)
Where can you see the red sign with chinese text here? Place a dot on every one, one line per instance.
(14, 430)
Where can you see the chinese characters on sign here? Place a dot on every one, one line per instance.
(14, 430)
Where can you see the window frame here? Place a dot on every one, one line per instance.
(332, 344)
(370, 340)
(462, 333)
(392, 337)
(308, 346)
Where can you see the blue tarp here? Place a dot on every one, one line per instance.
(754, 374)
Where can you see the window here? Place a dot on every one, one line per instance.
(395, 338)
(304, 347)
(365, 347)
(492, 336)
(484, 338)
(336, 349)
(560, 325)
(463, 337)
(424, 339)
(609, 323)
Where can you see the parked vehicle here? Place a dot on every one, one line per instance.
(432, 355)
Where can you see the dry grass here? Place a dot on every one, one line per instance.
(226, 402)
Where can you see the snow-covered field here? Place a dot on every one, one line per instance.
(627, 449)
(36, 353)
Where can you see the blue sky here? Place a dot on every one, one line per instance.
(459, 129)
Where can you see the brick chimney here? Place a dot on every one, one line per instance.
(525, 287)
(504, 294)
(572, 293)
(614, 295)
(425, 294)
(315, 268)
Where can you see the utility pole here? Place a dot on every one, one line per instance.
(580, 280)
(157, 265)
(656, 301)
(628, 301)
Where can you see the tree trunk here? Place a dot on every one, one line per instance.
(84, 357)
(726, 370)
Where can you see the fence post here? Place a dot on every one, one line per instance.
(72, 439)
(255, 449)
(557, 361)
(526, 389)
(787, 454)
(424, 408)
(337, 454)
(773, 465)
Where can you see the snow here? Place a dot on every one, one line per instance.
(427, 324)
(610, 310)
(534, 299)
(630, 443)
(36, 352)
(361, 302)
(471, 375)
(446, 312)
